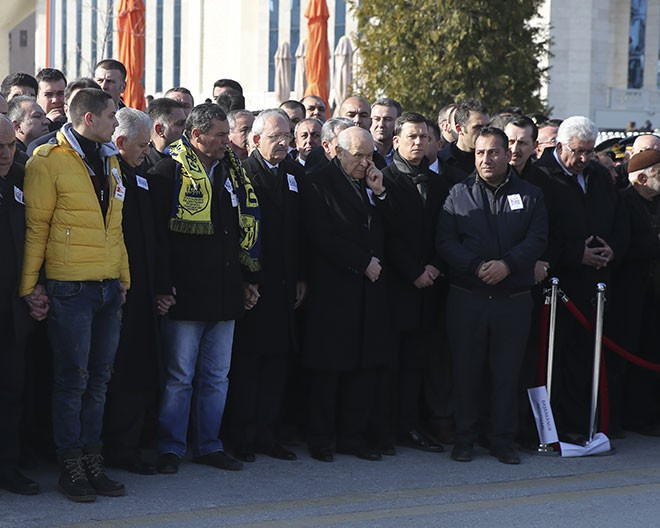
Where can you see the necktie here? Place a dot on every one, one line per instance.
(422, 187)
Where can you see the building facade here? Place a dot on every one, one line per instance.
(603, 61)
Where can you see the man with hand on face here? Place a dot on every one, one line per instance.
(417, 196)
(50, 96)
(264, 338)
(492, 229)
(347, 333)
(74, 197)
(207, 235)
(320, 156)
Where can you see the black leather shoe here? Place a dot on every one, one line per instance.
(506, 455)
(363, 453)
(18, 483)
(323, 454)
(132, 465)
(168, 464)
(277, 451)
(245, 453)
(418, 440)
(220, 460)
(462, 453)
(386, 449)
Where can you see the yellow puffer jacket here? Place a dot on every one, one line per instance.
(64, 223)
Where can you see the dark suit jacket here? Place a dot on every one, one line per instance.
(410, 243)
(268, 329)
(347, 318)
(22, 321)
(574, 216)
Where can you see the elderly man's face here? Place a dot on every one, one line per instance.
(648, 178)
(576, 154)
(273, 142)
(34, 123)
(355, 160)
(134, 150)
(7, 146)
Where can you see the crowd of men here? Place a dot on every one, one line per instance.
(207, 279)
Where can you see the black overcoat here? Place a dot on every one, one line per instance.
(268, 328)
(347, 319)
(411, 225)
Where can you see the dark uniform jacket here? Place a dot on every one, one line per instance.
(411, 224)
(347, 317)
(478, 225)
(268, 328)
(204, 269)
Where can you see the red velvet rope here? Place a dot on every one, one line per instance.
(608, 342)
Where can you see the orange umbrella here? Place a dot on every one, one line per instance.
(317, 65)
(130, 26)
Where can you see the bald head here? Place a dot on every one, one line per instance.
(358, 110)
(355, 149)
(645, 142)
(7, 145)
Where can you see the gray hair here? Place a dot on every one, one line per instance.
(345, 141)
(578, 127)
(201, 117)
(131, 121)
(235, 115)
(15, 111)
(334, 126)
(260, 120)
(308, 120)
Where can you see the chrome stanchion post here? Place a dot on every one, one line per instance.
(545, 448)
(551, 335)
(598, 343)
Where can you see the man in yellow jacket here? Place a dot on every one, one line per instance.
(73, 209)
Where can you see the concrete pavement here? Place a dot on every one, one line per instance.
(413, 489)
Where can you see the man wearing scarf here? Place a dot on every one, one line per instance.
(207, 231)
(418, 195)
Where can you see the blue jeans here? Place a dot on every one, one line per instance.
(83, 326)
(197, 359)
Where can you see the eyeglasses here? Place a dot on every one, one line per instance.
(276, 138)
(581, 152)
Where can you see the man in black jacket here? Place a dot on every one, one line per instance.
(347, 334)
(133, 389)
(265, 337)
(589, 232)
(168, 118)
(492, 229)
(416, 195)
(14, 319)
(207, 232)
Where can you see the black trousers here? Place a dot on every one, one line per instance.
(12, 379)
(344, 398)
(129, 421)
(257, 385)
(487, 337)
